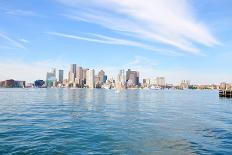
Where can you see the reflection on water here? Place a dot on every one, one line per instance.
(83, 121)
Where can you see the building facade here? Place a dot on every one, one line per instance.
(90, 78)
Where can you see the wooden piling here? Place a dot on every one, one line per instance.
(225, 93)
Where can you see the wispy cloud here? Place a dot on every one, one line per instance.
(24, 40)
(169, 22)
(19, 69)
(11, 41)
(114, 41)
(19, 12)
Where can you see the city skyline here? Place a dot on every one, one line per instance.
(181, 39)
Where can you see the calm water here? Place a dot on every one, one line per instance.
(64, 121)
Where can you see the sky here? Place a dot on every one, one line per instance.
(177, 39)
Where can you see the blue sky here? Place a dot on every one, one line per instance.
(178, 39)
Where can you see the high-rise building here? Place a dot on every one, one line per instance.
(79, 77)
(51, 78)
(73, 68)
(121, 80)
(90, 78)
(121, 77)
(160, 81)
(98, 83)
(132, 78)
(72, 74)
(85, 75)
(71, 78)
(101, 75)
(61, 76)
(105, 79)
(53, 71)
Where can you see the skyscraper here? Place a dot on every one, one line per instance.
(79, 77)
(73, 68)
(84, 75)
(72, 74)
(101, 75)
(121, 80)
(121, 77)
(51, 78)
(90, 78)
(61, 76)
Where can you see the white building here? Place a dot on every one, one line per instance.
(90, 78)
(51, 78)
(121, 79)
(160, 81)
(185, 84)
(79, 76)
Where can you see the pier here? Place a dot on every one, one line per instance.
(225, 93)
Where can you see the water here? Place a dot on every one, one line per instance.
(143, 122)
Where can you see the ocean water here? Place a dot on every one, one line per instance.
(133, 122)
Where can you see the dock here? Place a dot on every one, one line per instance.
(225, 93)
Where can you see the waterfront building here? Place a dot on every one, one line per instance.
(121, 80)
(72, 75)
(30, 85)
(12, 84)
(101, 76)
(90, 78)
(51, 78)
(146, 83)
(121, 77)
(71, 78)
(105, 79)
(9, 83)
(73, 68)
(39, 83)
(84, 75)
(132, 78)
(184, 84)
(61, 76)
(79, 77)
(225, 86)
(98, 83)
(160, 81)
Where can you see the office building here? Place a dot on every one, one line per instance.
(84, 73)
(51, 78)
(184, 84)
(121, 77)
(101, 75)
(132, 78)
(90, 78)
(160, 81)
(79, 77)
(72, 75)
(61, 76)
(12, 84)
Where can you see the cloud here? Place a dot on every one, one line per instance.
(24, 40)
(149, 68)
(168, 22)
(114, 41)
(19, 69)
(19, 12)
(11, 41)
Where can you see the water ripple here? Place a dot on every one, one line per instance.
(82, 121)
